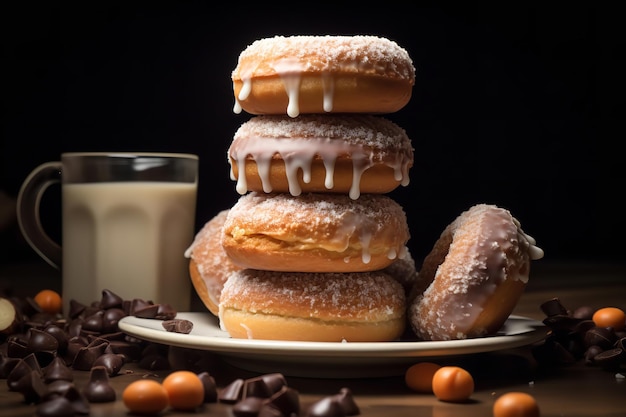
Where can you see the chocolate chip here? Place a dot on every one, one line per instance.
(609, 359)
(42, 341)
(57, 369)
(286, 400)
(600, 336)
(146, 312)
(553, 307)
(584, 312)
(210, 387)
(98, 389)
(110, 300)
(111, 362)
(55, 407)
(165, 312)
(326, 407)
(256, 387)
(347, 403)
(274, 381)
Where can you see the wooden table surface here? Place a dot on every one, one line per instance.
(565, 390)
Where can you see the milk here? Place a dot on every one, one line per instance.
(130, 238)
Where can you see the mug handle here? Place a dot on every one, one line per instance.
(28, 215)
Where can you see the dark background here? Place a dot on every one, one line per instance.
(520, 107)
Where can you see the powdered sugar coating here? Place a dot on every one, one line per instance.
(355, 297)
(360, 53)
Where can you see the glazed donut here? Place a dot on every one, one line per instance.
(209, 266)
(473, 277)
(321, 74)
(349, 154)
(315, 232)
(320, 307)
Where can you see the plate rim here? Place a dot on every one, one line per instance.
(151, 330)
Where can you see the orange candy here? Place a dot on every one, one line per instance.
(419, 377)
(610, 317)
(452, 384)
(145, 396)
(185, 390)
(49, 301)
(515, 404)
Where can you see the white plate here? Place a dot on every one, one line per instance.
(327, 359)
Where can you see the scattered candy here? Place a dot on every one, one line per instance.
(185, 390)
(452, 384)
(515, 404)
(419, 377)
(145, 396)
(49, 301)
(610, 317)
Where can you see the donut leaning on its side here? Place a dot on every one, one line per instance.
(209, 265)
(473, 277)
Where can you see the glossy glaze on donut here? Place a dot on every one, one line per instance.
(315, 232)
(323, 307)
(320, 74)
(472, 279)
(209, 266)
(350, 154)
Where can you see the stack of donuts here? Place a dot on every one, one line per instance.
(312, 235)
(315, 249)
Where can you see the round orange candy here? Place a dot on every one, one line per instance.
(145, 396)
(49, 301)
(185, 390)
(610, 317)
(419, 377)
(453, 384)
(515, 404)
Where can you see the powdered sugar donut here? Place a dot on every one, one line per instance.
(209, 265)
(319, 74)
(472, 279)
(321, 307)
(350, 154)
(315, 232)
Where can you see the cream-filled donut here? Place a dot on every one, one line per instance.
(321, 307)
(319, 74)
(209, 265)
(473, 277)
(315, 232)
(350, 154)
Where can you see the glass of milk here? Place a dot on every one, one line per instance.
(127, 220)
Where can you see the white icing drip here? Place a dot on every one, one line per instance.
(298, 155)
(290, 71)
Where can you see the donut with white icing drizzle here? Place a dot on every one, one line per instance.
(209, 265)
(320, 74)
(315, 232)
(473, 277)
(350, 154)
(319, 307)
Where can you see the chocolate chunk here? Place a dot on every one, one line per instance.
(232, 392)
(178, 326)
(111, 318)
(147, 312)
(31, 386)
(553, 307)
(165, 312)
(98, 389)
(256, 387)
(87, 355)
(76, 309)
(286, 400)
(138, 304)
(600, 336)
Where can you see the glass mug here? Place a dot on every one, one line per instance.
(127, 219)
